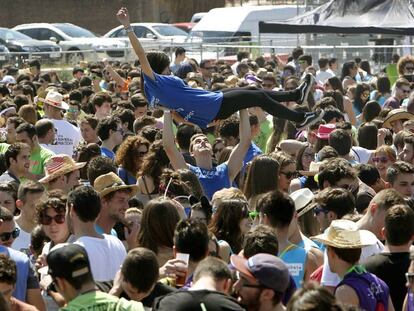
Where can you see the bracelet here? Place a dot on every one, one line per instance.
(129, 29)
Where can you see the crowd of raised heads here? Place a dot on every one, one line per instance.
(111, 201)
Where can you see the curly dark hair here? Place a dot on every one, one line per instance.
(154, 162)
(55, 199)
(127, 153)
(402, 62)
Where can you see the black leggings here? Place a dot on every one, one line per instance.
(237, 99)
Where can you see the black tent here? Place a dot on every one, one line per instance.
(395, 17)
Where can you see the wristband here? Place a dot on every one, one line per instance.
(167, 111)
(129, 29)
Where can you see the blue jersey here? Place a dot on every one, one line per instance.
(23, 271)
(212, 180)
(295, 258)
(194, 105)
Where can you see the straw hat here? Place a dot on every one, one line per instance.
(59, 165)
(396, 114)
(302, 198)
(111, 182)
(55, 99)
(345, 234)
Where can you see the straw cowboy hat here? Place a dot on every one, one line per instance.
(396, 114)
(59, 165)
(345, 234)
(302, 198)
(55, 99)
(111, 182)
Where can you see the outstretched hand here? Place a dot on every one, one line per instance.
(123, 16)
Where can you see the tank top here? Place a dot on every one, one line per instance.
(372, 292)
(295, 258)
(410, 301)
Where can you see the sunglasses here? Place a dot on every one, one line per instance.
(47, 220)
(5, 236)
(409, 276)
(380, 159)
(409, 68)
(290, 175)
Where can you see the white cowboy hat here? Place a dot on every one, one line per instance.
(55, 99)
(302, 198)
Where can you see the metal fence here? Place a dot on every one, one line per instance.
(377, 55)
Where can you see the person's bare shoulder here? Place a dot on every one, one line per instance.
(17, 305)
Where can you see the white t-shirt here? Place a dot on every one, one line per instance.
(360, 154)
(332, 279)
(105, 256)
(22, 243)
(322, 76)
(68, 137)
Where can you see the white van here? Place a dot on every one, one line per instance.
(223, 25)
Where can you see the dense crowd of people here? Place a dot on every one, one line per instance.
(178, 185)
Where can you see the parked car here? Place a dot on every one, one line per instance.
(80, 42)
(152, 35)
(4, 55)
(23, 47)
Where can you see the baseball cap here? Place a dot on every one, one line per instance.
(268, 270)
(68, 261)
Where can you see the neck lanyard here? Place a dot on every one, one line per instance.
(357, 269)
(291, 246)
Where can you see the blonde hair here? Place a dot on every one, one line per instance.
(388, 151)
(227, 194)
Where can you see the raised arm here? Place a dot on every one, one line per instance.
(235, 161)
(123, 17)
(114, 75)
(175, 156)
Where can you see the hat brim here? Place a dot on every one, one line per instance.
(306, 209)
(62, 171)
(322, 136)
(366, 238)
(240, 264)
(398, 116)
(64, 105)
(133, 188)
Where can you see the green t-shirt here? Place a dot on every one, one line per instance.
(102, 301)
(38, 159)
(3, 148)
(266, 129)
